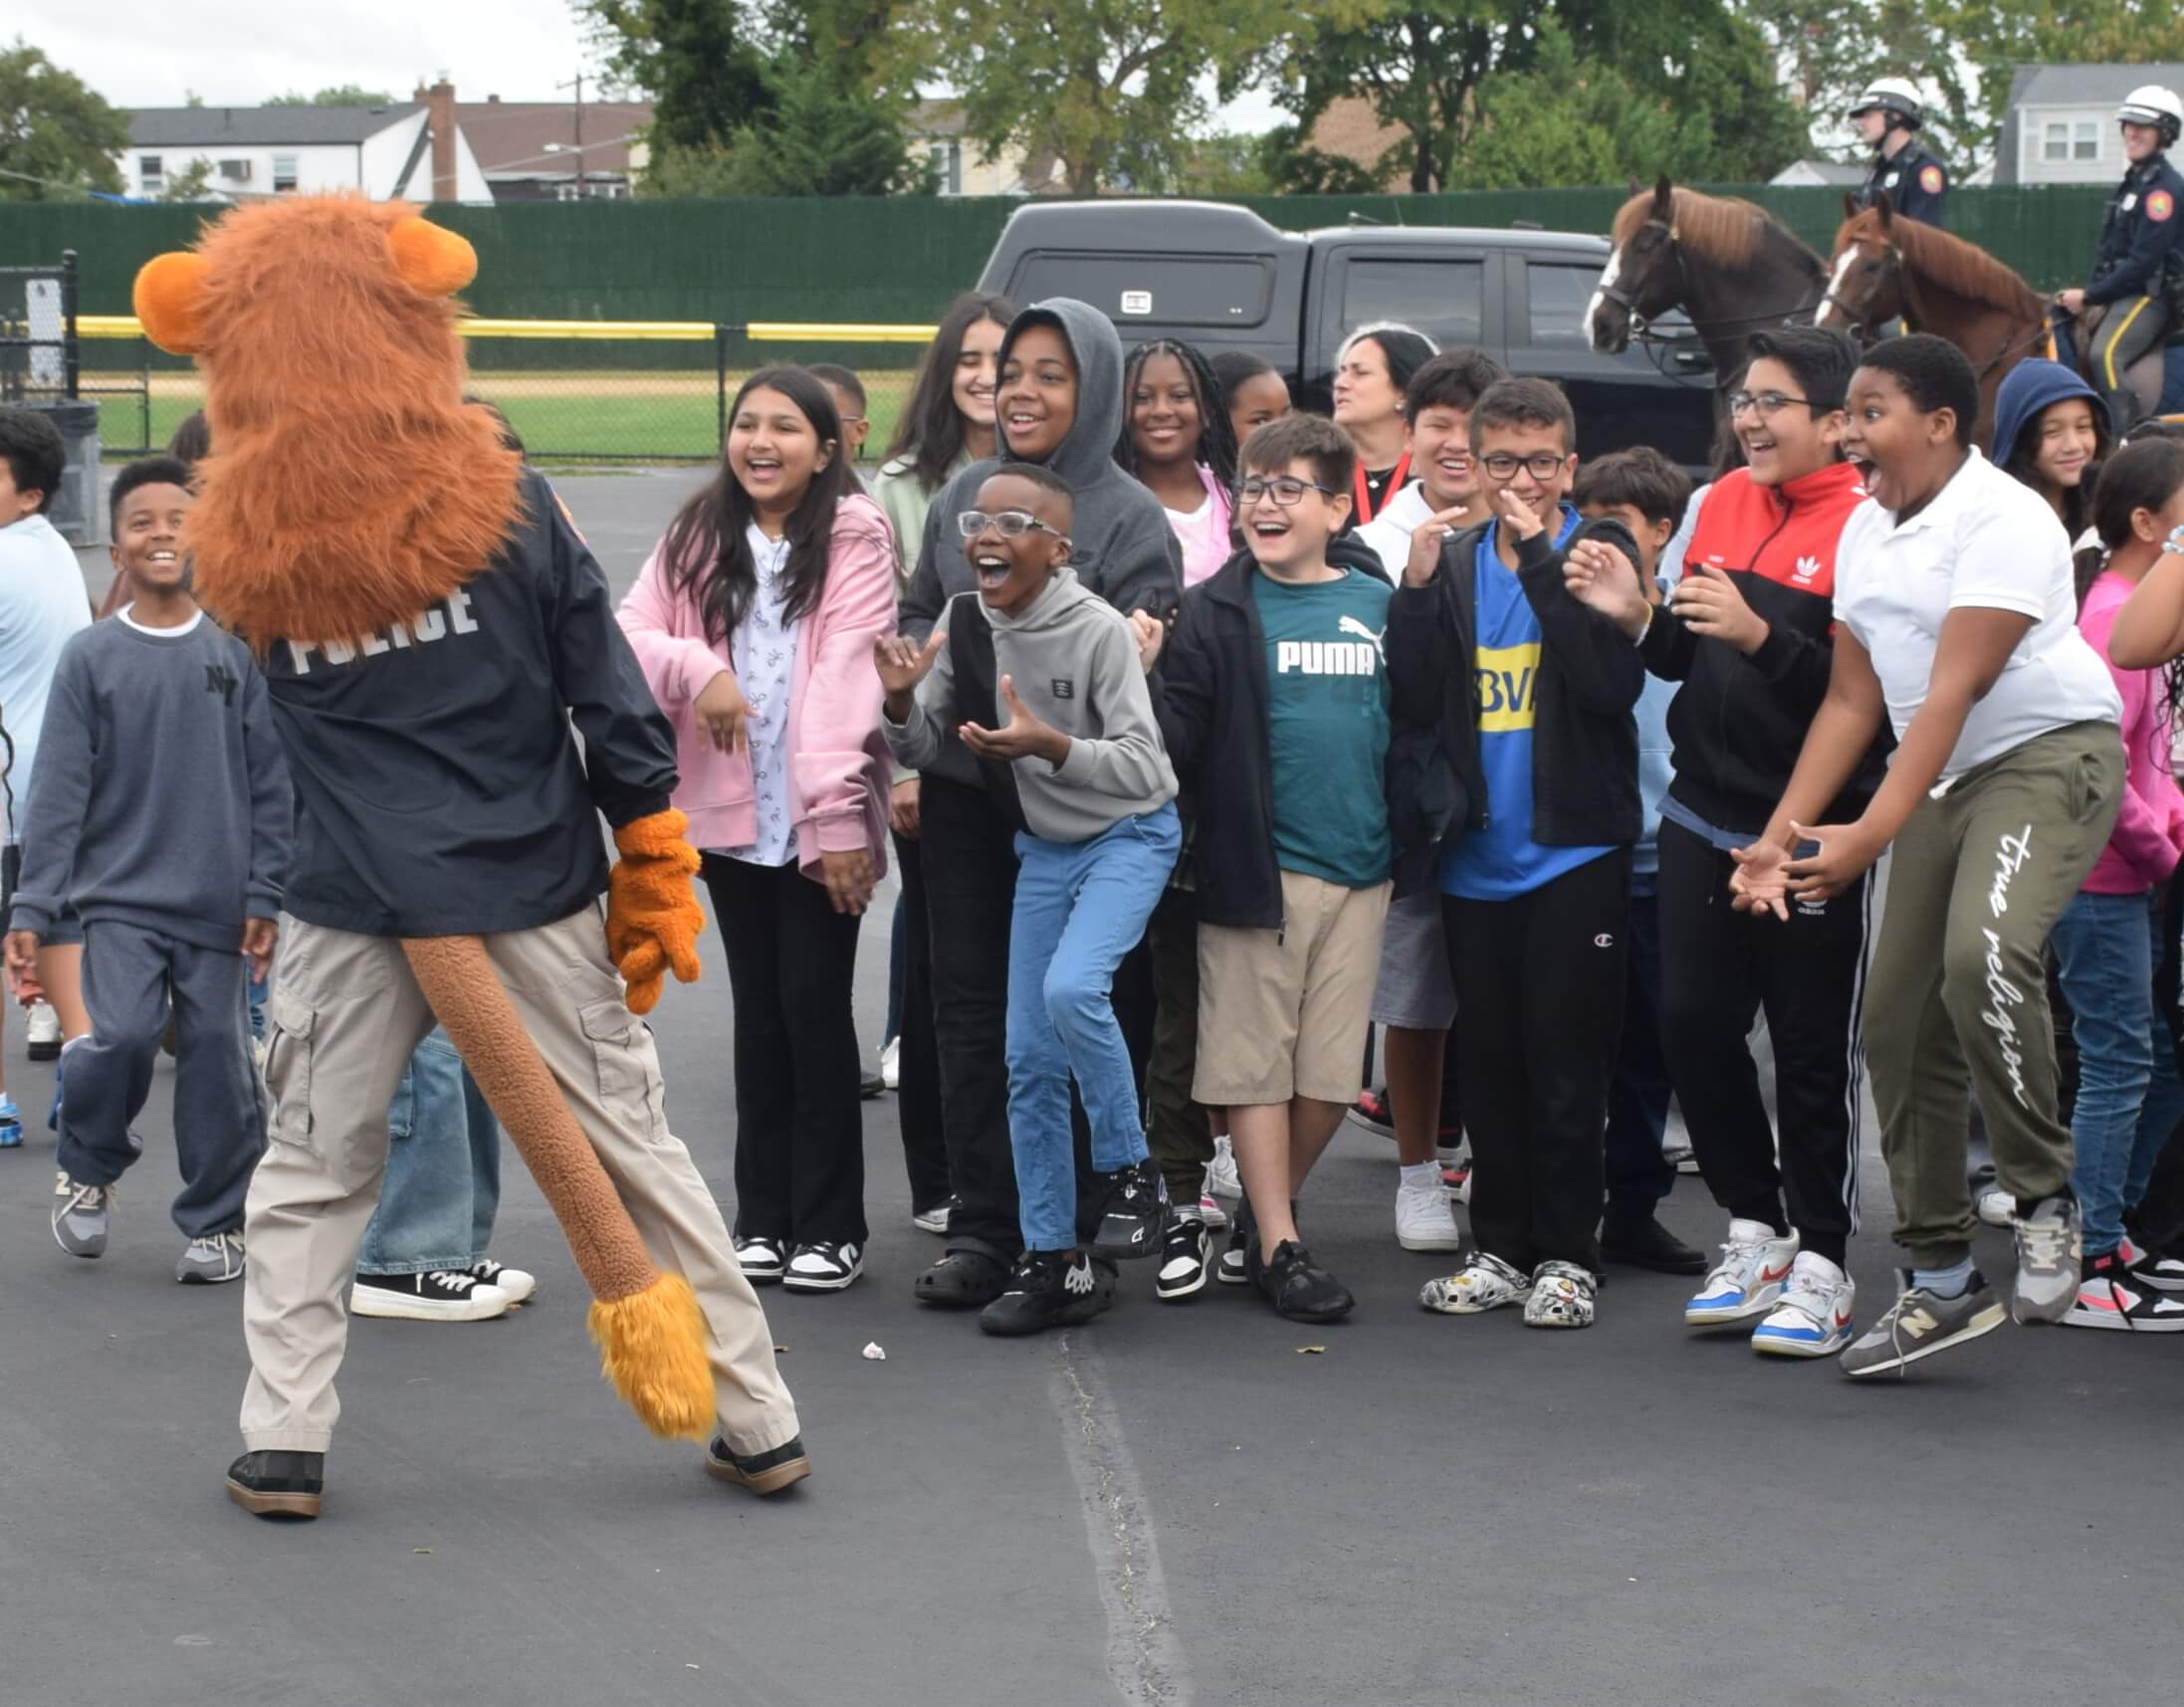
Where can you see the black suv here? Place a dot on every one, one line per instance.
(1221, 277)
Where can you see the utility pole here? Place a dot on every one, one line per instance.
(577, 84)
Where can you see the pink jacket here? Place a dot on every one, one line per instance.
(837, 758)
(2149, 830)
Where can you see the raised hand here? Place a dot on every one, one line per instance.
(1427, 539)
(1021, 736)
(1598, 577)
(1522, 519)
(903, 663)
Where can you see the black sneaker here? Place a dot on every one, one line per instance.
(766, 1472)
(1642, 1242)
(1137, 1205)
(1046, 1289)
(1300, 1289)
(1187, 1252)
(277, 1484)
(970, 1275)
(1239, 1257)
(2154, 1268)
(443, 1295)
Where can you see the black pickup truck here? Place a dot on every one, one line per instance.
(1221, 277)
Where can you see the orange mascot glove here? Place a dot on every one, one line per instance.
(652, 914)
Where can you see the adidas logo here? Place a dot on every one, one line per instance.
(1806, 568)
(1077, 1278)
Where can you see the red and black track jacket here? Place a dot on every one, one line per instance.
(1738, 722)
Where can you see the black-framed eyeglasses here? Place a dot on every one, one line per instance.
(1008, 524)
(1541, 465)
(1284, 490)
(1769, 404)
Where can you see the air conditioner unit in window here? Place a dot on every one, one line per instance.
(235, 171)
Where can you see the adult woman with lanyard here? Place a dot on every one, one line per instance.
(1372, 373)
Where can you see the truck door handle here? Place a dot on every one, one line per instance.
(1693, 358)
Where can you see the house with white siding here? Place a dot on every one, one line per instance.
(391, 153)
(2060, 127)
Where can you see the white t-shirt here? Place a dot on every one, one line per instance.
(1389, 532)
(1985, 542)
(42, 603)
(763, 653)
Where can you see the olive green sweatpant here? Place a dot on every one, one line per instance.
(1956, 1001)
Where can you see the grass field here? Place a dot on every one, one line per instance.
(565, 417)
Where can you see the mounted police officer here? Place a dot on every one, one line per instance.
(1888, 115)
(2138, 268)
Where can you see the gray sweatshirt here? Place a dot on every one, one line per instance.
(162, 800)
(1126, 552)
(1075, 668)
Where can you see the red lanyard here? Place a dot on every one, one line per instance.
(1364, 493)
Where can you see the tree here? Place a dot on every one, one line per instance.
(1996, 35)
(190, 183)
(58, 136)
(821, 139)
(341, 95)
(1112, 89)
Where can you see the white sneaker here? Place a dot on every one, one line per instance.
(1562, 1296)
(443, 1295)
(1747, 1281)
(1210, 1211)
(1813, 1317)
(515, 1282)
(1424, 1219)
(42, 1032)
(891, 1063)
(1221, 1183)
(1483, 1283)
(1996, 1208)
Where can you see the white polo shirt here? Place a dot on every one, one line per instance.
(1985, 542)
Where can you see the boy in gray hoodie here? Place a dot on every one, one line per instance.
(1059, 404)
(1074, 758)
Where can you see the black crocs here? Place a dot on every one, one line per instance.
(970, 1275)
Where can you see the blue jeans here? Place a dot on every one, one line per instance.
(443, 1177)
(2129, 1096)
(1080, 908)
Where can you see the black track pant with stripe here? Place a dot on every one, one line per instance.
(1719, 968)
(2132, 326)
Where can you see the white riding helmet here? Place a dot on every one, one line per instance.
(2150, 104)
(1896, 95)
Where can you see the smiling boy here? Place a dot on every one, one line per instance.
(157, 738)
(1075, 760)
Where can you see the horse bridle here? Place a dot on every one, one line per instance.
(1862, 332)
(1621, 299)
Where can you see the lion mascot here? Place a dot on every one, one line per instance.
(435, 635)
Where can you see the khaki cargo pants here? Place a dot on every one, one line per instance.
(346, 1015)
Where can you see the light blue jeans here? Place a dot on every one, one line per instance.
(443, 1177)
(1080, 908)
(2129, 1096)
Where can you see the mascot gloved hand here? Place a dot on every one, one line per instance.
(653, 920)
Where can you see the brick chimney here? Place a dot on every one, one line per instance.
(439, 103)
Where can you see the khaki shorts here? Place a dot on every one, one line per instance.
(1282, 1014)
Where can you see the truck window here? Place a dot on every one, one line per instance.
(1441, 299)
(1558, 296)
(1168, 290)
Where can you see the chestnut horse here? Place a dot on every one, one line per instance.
(1886, 268)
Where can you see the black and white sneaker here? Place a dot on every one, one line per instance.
(824, 1266)
(2157, 1269)
(1235, 1265)
(514, 1281)
(2110, 1296)
(761, 1259)
(442, 1295)
(1137, 1205)
(1046, 1289)
(1187, 1252)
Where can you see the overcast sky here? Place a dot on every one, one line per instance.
(153, 53)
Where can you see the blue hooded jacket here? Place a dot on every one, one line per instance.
(2026, 390)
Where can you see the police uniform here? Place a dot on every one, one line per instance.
(2136, 268)
(1916, 183)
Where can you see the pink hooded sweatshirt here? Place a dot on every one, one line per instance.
(2149, 830)
(838, 762)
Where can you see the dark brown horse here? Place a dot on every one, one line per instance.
(1730, 266)
(1889, 267)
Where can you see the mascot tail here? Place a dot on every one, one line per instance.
(652, 1336)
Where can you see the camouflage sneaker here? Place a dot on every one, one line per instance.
(1919, 1324)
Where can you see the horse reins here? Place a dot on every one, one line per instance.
(1861, 329)
(1621, 299)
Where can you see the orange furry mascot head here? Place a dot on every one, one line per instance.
(348, 487)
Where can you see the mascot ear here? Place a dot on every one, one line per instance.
(169, 298)
(432, 260)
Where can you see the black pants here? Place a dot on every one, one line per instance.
(1179, 1136)
(917, 1060)
(1719, 968)
(2131, 328)
(1639, 1174)
(1539, 1007)
(800, 1132)
(2157, 1218)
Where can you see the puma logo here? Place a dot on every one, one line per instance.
(1351, 625)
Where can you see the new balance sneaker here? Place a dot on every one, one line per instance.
(277, 1484)
(1483, 1283)
(42, 1032)
(761, 1259)
(1919, 1324)
(1186, 1258)
(440, 1295)
(1046, 1289)
(935, 1218)
(2157, 1269)
(1424, 1219)
(1562, 1296)
(825, 1265)
(1300, 1289)
(2048, 1248)
(766, 1472)
(11, 1123)
(891, 1064)
(1995, 1206)
(514, 1281)
(212, 1260)
(2110, 1296)
(80, 1216)
(1371, 1111)
(1747, 1281)
(1813, 1318)
(1136, 1209)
